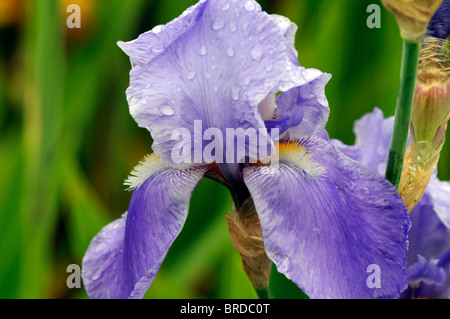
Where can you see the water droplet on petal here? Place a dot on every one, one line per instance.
(230, 52)
(235, 93)
(134, 100)
(191, 75)
(233, 26)
(166, 110)
(215, 88)
(226, 6)
(269, 67)
(247, 80)
(203, 50)
(158, 49)
(158, 28)
(218, 24)
(256, 52)
(249, 6)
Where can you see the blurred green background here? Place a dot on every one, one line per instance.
(67, 141)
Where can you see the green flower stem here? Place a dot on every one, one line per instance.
(410, 62)
(263, 293)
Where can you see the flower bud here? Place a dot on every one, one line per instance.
(246, 235)
(430, 114)
(412, 16)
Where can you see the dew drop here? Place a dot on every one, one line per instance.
(218, 24)
(230, 52)
(215, 88)
(158, 28)
(158, 49)
(203, 50)
(256, 52)
(166, 110)
(249, 6)
(190, 75)
(226, 6)
(235, 93)
(247, 80)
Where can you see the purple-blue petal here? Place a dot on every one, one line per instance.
(151, 44)
(373, 137)
(426, 280)
(428, 236)
(430, 231)
(228, 56)
(439, 26)
(439, 192)
(324, 233)
(124, 258)
(303, 111)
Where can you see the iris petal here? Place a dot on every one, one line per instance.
(303, 110)
(439, 26)
(373, 137)
(224, 62)
(427, 280)
(324, 233)
(428, 236)
(124, 258)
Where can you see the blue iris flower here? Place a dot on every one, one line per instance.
(325, 218)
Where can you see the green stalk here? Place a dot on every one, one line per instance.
(263, 293)
(410, 62)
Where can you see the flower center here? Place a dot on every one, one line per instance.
(267, 107)
(296, 154)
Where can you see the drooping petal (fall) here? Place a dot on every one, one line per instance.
(124, 258)
(323, 229)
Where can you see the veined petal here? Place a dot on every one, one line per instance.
(303, 111)
(439, 26)
(428, 236)
(325, 233)
(154, 42)
(216, 71)
(373, 137)
(124, 258)
(426, 271)
(439, 191)
(426, 279)
(288, 29)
